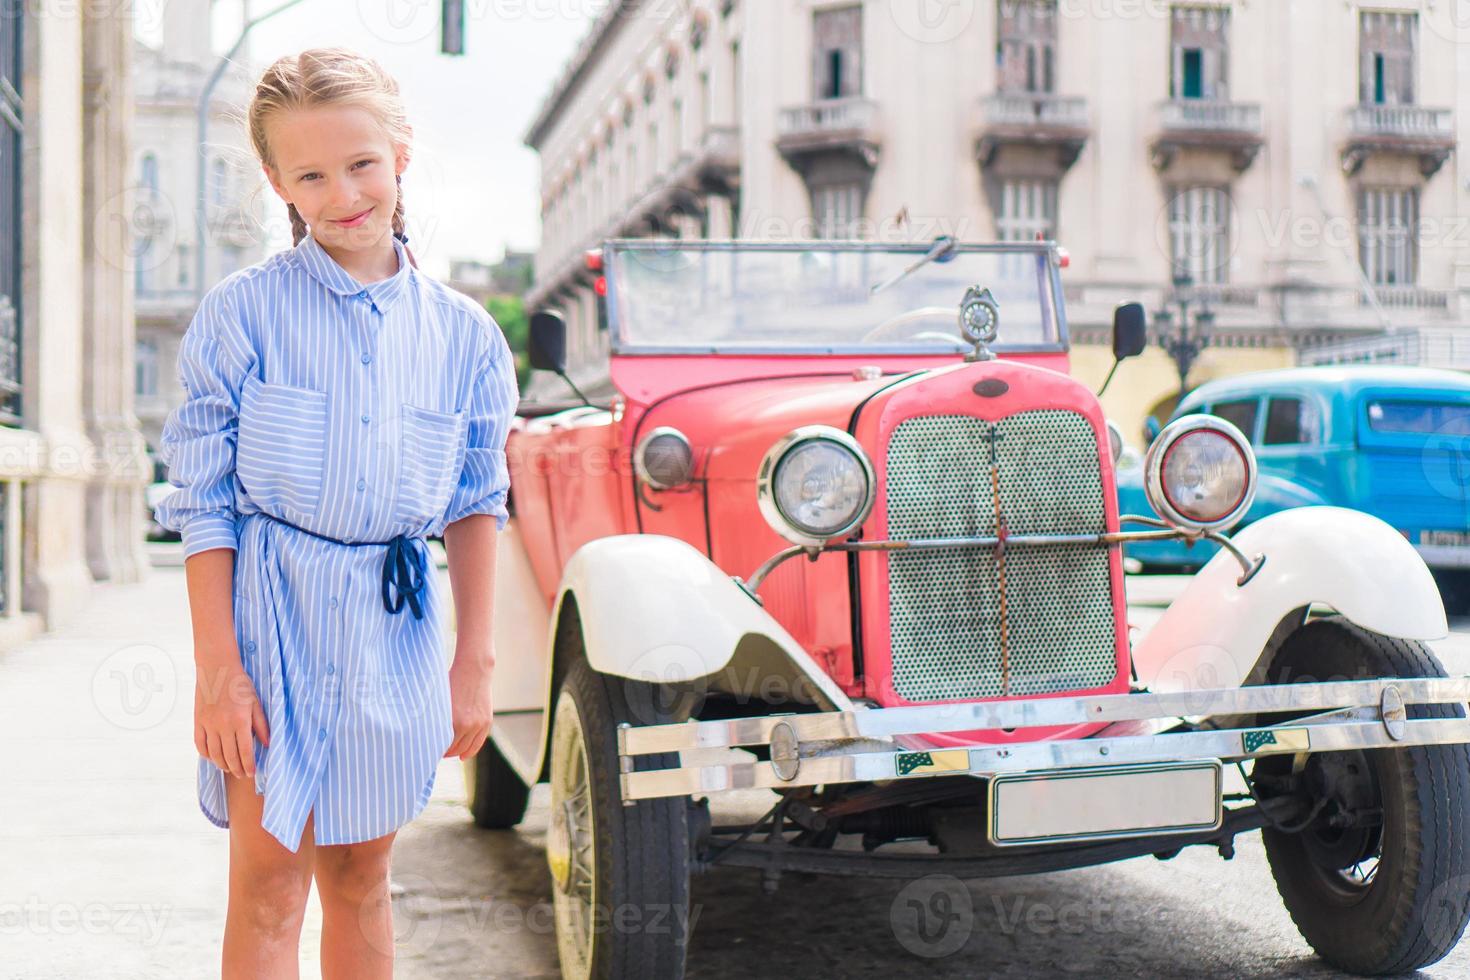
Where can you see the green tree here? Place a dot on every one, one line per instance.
(510, 313)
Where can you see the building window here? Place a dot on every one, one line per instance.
(837, 209)
(145, 365)
(1388, 222)
(183, 266)
(219, 181)
(735, 80)
(1386, 57)
(1028, 211)
(1200, 51)
(148, 173)
(837, 46)
(12, 16)
(1026, 46)
(1199, 234)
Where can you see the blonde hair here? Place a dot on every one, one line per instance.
(329, 76)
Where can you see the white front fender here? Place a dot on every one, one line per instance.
(654, 608)
(1213, 635)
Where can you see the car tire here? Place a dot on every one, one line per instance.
(1373, 900)
(624, 868)
(497, 795)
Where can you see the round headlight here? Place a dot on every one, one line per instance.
(1115, 441)
(1200, 473)
(663, 459)
(815, 484)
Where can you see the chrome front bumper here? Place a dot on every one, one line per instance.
(882, 744)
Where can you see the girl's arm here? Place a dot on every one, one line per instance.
(475, 515)
(198, 444)
(469, 544)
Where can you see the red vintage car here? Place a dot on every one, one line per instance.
(848, 532)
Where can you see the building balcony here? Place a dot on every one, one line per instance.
(1405, 130)
(1056, 125)
(1232, 128)
(164, 304)
(842, 126)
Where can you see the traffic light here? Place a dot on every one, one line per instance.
(451, 39)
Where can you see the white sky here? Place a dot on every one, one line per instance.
(472, 188)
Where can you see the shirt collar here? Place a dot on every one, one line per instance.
(322, 267)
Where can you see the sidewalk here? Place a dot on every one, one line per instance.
(109, 869)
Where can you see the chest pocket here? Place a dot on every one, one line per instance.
(280, 452)
(431, 453)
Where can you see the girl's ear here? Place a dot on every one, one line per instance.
(275, 184)
(401, 156)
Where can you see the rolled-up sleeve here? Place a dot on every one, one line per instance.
(484, 480)
(198, 441)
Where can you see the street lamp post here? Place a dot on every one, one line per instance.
(201, 221)
(1180, 338)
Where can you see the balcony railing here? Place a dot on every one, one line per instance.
(1411, 121)
(1034, 109)
(829, 116)
(1407, 298)
(1199, 115)
(1440, 347)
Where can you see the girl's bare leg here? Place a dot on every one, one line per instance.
(268, 890)
(357, 916)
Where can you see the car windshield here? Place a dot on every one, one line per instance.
(759, 297)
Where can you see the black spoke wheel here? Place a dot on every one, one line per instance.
(620, 874)
(1376, 875)
(497, 796)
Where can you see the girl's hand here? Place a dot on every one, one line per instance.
(469, 696)
(226, 711)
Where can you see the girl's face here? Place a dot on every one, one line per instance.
(338, 166)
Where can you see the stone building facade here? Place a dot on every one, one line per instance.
(1288, 167)
(72, 461)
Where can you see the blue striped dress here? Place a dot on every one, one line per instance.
(357, 412)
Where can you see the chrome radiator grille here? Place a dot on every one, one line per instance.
(946, 619)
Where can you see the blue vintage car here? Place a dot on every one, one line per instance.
(1392, 441)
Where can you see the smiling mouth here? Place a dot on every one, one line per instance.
(351, 218)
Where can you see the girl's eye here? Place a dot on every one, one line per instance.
(360, 162)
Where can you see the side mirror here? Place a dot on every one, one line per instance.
(548, 341)
(1152, 428)
(1130, 331)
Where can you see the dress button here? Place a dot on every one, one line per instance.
(366, 358)
(362, 484)
(249, 646)
(367, 418)
(334, 602)
(331, 669)
(321, 733)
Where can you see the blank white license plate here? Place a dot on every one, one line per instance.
(1091, 804)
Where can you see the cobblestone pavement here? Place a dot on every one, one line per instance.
(108, 869)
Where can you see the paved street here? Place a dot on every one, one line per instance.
(109, 869)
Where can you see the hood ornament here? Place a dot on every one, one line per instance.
(979, 322)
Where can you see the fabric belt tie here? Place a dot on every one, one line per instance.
(405, 567)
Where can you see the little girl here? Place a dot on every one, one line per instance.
(340, 407)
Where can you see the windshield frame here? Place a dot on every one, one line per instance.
(1053, 305)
